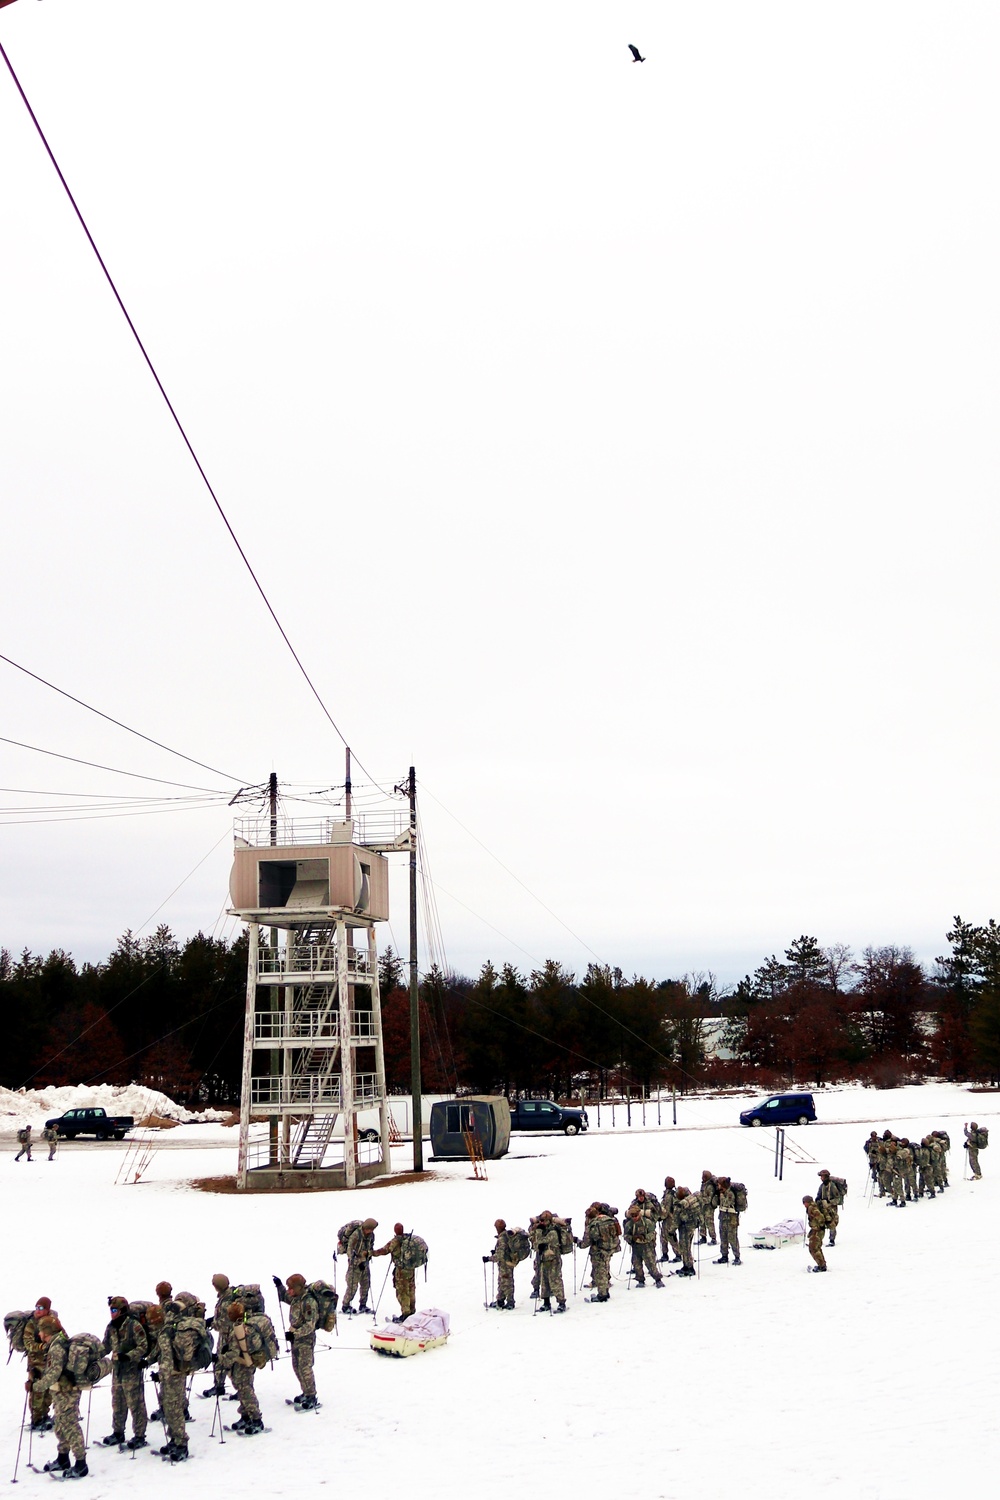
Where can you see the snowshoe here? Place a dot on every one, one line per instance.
(253, 1428)
(213, 1390)
(723, 1260)
(178, 1453)
(348, 1311)
(57, 1465)
(309, 1403)
(561, 1308)
(79, 1470)
(239, 1426)
(113, 1440)
(136, 1443)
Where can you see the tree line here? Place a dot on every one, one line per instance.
(170, 1015)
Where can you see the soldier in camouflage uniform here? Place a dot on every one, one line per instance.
(817, 1224)
(709, 1203)
(925, 1167)
(829, 1199)
(221, 1327)
(894, 1165)
(973, 1144)
(24, 1141)
(871, 1152)
(907, 1168)
(548, 1261)
(601, 1238)
(668, 1222)
(36, 1352)
(65, 1393)
(303, 1315)
(50, 1135)
(944, 1138)
(238, 1361)
(688, 1211)
(640, 1234)
(506, 1262)
(729, 1224)
(404, 1280)
(174, 1352)
(360, 1249)
(938, 1164)
(126, 1341)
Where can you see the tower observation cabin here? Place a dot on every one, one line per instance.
(311, 894)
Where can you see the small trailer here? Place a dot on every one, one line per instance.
(414, 1335)
(777, 1236)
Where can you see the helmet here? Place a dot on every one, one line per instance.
(369, 1224)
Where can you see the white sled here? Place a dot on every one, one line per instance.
(418, 1332)
(777, 1236)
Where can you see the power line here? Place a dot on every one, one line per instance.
(117, 722)
(170, 407)
(92, 817)
(96, 765)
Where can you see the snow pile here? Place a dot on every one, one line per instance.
(34, 1106)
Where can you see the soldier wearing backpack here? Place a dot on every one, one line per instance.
(640, 1235)
(602, 1238)
(127, 1342)
(24, 1141)
(668, 1221)
(36, 1352)
(244, 1353)
(174, 1351)
(688, 1209)
(830, 1196)
(731, 1196)
(546, 1242)
(976, 1140)
(359, 1247)
(57, 1380)
(507, 1254)
(303, 1316)
(220, 1326)
(404, 1279)
(709, 1195)
(50, 1135)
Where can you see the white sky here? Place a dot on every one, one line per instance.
(617, 444)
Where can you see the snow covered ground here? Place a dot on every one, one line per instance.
(879, 1380)
(34, 1106)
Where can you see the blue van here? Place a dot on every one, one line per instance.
(781, 1109)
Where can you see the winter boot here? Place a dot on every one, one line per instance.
(737, 1261)
(239, 1426)
(308, 1403)
(364, 1308)
(178, 1453)
(157, 1415)
(546, 1305)
(61, 1461)
(113, 1440)
(348, 1310)
(658, 1283)
(561, 1307)
(136, 1442)
(214, 1390)
(79, 1470)
(640, 1283)
(533, 1296)
(166, 1449)
(508, 1307)
(723, 1260)
(252, 1428)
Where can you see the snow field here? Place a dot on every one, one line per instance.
(880, 1376)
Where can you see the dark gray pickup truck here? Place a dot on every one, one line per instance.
(92, 1122)
(542, 1114)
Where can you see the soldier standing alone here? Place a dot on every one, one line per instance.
(975, 1141)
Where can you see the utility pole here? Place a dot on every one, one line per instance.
(347, 782)
(275, 996)
(415, 1081)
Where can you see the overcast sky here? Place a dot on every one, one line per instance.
(616, 442)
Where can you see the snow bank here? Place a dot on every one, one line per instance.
(34, 1106)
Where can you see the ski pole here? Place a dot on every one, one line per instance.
(379, 1297)
(486, 1295)
(574, 1270)
(583, 1272)
(20, 1437)
(90, 1401)
(222, 1425)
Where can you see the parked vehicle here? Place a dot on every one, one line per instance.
(781, 1109)
(92, 1122)
(542, 1114)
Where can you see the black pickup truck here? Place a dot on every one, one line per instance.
(92, 1122)
(542, 1114)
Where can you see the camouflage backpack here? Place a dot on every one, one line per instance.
(739, 1193)
(325, 1298)
(841, 1185)
(518, 1246)
(14, 1324)
(637, 1231)
(262, 1341)
(564, 1229)
(982, 1138)
(412, 1252)
(251, 1296)
(344, 1234)
(85, 1359)
(605, 1233)
(189, 1333)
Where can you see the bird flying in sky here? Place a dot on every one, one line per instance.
(636, 54)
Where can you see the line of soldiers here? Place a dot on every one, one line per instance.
(50, 1135)
(678, 1214)
(904, 1171)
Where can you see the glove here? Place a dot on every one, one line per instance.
(278, 1283)
(487, 1258)
(290, 1337)
(335, 1255)
(155, 1377)
(209, 1322)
